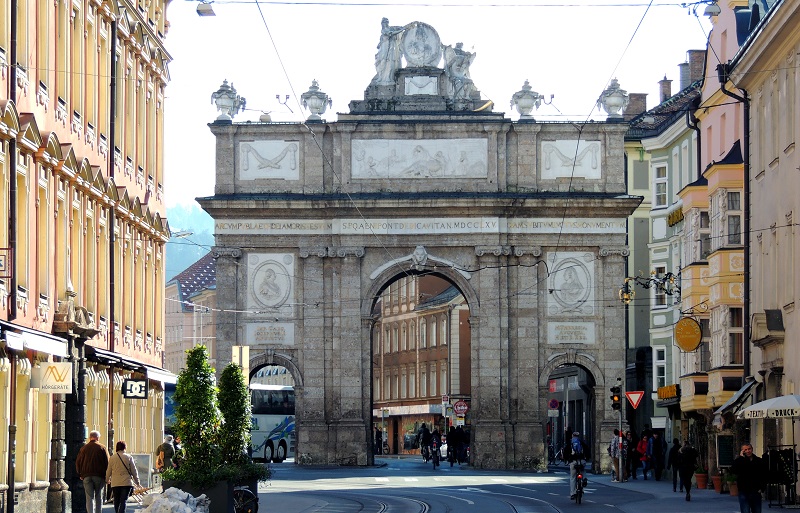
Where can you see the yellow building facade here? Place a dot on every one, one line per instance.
(82, 254)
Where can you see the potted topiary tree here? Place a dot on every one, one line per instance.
(215, 441)
(234, 433)
(197, 424)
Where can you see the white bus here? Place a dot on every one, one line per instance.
(272, 431)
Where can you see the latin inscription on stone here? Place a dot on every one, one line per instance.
(424, 158)
(570, 333)
(414, 225)
(279, 333)
(571, 159)
(269, 160)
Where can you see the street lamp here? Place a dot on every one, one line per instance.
(669, 284)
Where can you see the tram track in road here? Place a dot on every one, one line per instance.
(343, 502)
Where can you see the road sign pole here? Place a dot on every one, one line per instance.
(619, 458)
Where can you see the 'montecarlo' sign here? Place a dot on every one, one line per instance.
(52, 378)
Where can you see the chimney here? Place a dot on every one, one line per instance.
(684, 70)
(666, 89)
(637, 103)
(697, 63)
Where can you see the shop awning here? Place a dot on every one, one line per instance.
(738, 399)
(106, 357)
(21, 338)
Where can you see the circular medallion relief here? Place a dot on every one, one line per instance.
(271, 284)
(421, 45)
(571, 283)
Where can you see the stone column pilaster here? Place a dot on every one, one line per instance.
(228, 270)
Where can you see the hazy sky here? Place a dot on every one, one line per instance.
(569, 50)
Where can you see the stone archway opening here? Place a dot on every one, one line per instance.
(421, 360)
(570, 407)
(273, 436)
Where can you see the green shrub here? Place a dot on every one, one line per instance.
(234, 403)
(215, 440)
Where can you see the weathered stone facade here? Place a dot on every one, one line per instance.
(313, 220)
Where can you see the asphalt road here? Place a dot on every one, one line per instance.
(407, 485)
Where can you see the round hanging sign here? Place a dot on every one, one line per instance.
(688, 334)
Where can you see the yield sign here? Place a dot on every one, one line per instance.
(634, 398)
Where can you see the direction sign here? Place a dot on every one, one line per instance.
(634, 398)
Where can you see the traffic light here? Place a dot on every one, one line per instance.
(616, 398)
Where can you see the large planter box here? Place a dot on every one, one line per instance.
(220, 494)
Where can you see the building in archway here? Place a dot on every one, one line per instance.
(527, 220)
(421, 355)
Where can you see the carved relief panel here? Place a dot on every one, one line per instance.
(270, 283)
(269, 160)
(570, 283)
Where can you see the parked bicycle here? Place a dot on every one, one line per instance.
(244, 500)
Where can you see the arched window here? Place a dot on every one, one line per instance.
(443, 331)
(403, 338)
(423, 334)
(433, 332)
(412, 335)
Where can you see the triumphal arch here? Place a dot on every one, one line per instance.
(313, 220)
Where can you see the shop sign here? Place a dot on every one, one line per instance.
(52, 378)
(688, 334)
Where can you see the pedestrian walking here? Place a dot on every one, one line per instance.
(123, 476)
(378, 440)
(91, 465)
(633, 455)
(674, 463)
(644, 456)
(614, 452)
(751, 474)
(688, 463)
(658, 450)
(165, 453)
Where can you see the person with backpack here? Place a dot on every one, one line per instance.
(577, 454)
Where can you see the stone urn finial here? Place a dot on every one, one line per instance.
(227, 101)
(613, 100)
(525, 100)
(315, 101)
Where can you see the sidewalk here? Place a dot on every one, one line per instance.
(666, 500)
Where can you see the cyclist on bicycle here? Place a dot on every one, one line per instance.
(424, 440)
(576, 452)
